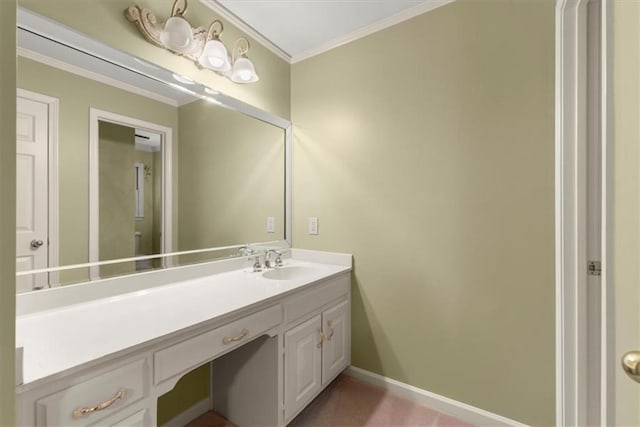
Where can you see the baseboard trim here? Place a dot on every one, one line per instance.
(440, 403)
(190, 414)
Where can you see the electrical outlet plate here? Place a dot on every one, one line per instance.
(313, 225)
(271, 224)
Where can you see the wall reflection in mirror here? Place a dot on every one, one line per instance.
(113, 164)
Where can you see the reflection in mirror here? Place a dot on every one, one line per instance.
(126, 156)
(216, 175)
(130, 196)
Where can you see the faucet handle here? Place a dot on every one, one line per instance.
(278, 259)
(257, 265)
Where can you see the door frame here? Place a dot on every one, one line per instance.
(53, 210)
(572, 231)
(95, 116)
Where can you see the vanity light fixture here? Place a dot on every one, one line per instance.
(214, 55)
(203, 47)
(177, 34)
(243, 70)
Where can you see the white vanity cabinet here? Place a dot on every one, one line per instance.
(273, 346)
(319, 348)
(116, 395)
(303, 367)
(336, 346)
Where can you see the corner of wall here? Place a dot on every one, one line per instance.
(7, 212)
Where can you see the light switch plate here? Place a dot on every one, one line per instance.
(271, 224)
(313, 225)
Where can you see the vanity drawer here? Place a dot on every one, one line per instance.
(186, 355)
(323, 293)
(106, 394)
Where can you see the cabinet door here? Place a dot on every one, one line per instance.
(302, 376)
(336, 349)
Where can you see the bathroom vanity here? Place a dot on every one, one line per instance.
(103, 351)
(102, 354)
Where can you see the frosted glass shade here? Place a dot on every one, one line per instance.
(214, 56)
(243, 71)
(177, 35)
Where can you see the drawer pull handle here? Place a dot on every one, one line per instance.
(81, 412)
(229, 340)
(321, 337)
(330, 325)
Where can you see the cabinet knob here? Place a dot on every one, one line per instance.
(330, 325)
(321, 335)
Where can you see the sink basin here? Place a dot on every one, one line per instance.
(289, 273)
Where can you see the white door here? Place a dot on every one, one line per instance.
(302, 377)
(336, 348)
(32, 140)
(623, 220)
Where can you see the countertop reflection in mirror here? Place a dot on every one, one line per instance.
(134, 161)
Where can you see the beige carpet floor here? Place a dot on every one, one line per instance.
(350, 403)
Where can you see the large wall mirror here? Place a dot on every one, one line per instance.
(119, 159)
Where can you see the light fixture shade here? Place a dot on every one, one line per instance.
(177, 35)
(214, 56)
(243, 71)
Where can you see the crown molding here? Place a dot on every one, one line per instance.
(332, 44)
(64, 66)
(224, 13)
(370, 29)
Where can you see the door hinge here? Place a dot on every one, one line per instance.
(594, 268)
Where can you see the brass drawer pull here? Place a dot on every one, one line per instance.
(229, 340)
(321, 337)
(330, 325)
(81, 412)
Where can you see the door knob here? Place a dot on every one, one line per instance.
(35, 244)
(631, 364)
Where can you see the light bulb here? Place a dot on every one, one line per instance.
(216, 62)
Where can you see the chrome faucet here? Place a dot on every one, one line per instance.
(267, 261)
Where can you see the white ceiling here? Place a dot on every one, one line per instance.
(300, 29)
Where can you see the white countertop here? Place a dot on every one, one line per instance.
(61, 338)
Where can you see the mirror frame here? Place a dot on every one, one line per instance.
(45, 27)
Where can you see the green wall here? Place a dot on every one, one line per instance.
(117, 197)
(427, 151)
(77, 95)
(191, 388)
(231, 157)
(7, 211)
